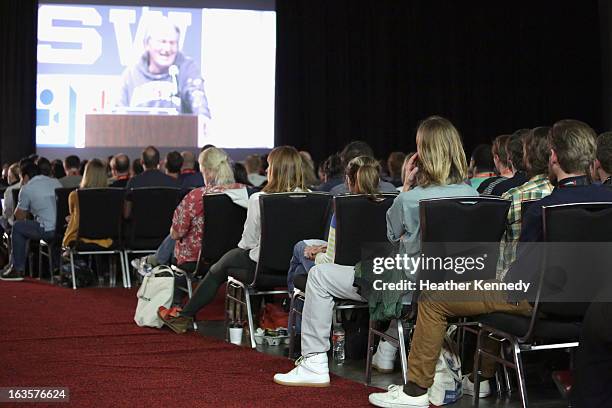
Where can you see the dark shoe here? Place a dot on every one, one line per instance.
(178, 324)
(11, 274)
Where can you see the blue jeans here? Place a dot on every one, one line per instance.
(299, 264)
(22, 232)
(165, 252)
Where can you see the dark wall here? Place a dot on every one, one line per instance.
(17, 78)
(350, 69)
(356, 69)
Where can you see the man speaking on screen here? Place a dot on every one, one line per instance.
(164, 77)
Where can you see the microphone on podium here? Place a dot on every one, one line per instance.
(175, 96)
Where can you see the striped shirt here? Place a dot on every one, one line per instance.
(536, 188)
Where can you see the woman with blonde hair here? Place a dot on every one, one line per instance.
(94, 177)
(185, 239)
(362, 177)
(285, 174)
(438, 169)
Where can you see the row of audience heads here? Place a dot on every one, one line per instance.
(441, 159)
(529, 150)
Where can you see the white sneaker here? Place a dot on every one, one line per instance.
(396, 398)
(468, 387)
(310, 371)
(383, 360)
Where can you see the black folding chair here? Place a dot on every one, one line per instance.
(286, 218)
(101, 211)
(467, 221)
(150, 220)
(50, 248)
(566, 285)
(351, 237)
(222, 230)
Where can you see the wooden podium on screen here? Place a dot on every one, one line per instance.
(139, 130)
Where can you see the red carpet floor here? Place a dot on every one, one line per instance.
(86, 340)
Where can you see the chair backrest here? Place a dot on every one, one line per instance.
(151, 214)
(101, 211)
(223, 226)
(525, 207)
(15, 193)
(360, 219)
(62, 210)
(466, 227)
(287, 218)
(577, 262)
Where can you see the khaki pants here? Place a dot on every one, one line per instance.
(435, 307)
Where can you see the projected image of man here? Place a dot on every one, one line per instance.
(164, 77)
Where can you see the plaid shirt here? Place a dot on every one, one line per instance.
(536, 188)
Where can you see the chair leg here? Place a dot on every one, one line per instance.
(520, 374)
(247, 297)
(476, 370)
(72, 270)
(227, 312)
(291, 326)
(506, 373)
(369, 356)
(402, 347)
(40, 256)
(189, 286)
(127, 271)
(51, 252)
(124, 269)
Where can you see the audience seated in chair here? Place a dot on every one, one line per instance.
(481, 165)
(333, 173)
(8, 206)
(572, 146)
(395, 162)
(601, 169)
(363, 176)
(72, 179)
(350, 151)
(36, 198)
(438, 169)
(514, 151)
(535, 158)
(502, 165)
(173, 165)
(182, 245)
(150, 177)
(120, 170)
(190, 177)
(94, 177)
(284, 175)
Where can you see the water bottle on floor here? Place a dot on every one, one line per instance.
(338, 344)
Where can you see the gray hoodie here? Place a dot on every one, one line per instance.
(144, 89)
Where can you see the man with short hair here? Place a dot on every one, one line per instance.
(72, 179)
(190, 177)
(36, 197)
(501, 163)
(601, 169)
(481, 165)
(120, 170)
(572, 148)
(151, 176)
(356, 149)
(535, 156)
(173, 164)
(514, 149)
